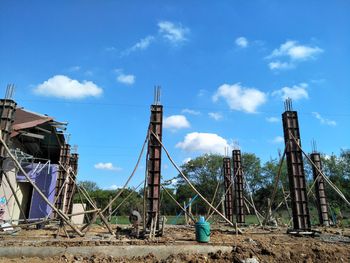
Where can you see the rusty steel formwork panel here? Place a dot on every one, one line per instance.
(71, 186)
(238, 186)
(322, 205)
(154, 167)
(60, 195)
(7, 116)
(296, 174)
(228, 189)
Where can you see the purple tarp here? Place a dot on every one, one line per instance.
(45, 179)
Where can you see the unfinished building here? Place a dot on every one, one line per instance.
(37, 141)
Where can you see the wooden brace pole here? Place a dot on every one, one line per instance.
(189, 183)
(182, 208)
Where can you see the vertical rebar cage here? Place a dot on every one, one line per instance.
(296, 174)
(154, 167)
(239, 199)
(228, 189)
(322, 205)
(7, 116)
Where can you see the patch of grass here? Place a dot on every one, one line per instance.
(282, 216)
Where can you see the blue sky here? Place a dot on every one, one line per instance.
(224, 68)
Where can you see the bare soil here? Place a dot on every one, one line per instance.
(255, 245)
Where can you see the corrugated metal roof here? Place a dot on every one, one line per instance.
(25, 119)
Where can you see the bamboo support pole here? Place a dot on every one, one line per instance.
(277, 178)
(190, 206)
(214, 197)
(88, 198)
(70, 200)
(254, 208)
(126, 198)
(60, 191)
(83, 213)
(179, 205)
(335, 188)
(87, 226)
(128, 180)
(144, 212)
(15, 196)
(249, 203)
(189, 183)
(223, 199)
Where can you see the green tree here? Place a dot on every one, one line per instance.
(252, 171)
(205, 172)
(88, 185)
(337, 169)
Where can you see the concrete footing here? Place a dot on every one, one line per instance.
(160, 251)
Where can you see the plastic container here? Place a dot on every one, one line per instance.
(202, 230)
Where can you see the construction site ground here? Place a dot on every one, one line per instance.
(176, 245)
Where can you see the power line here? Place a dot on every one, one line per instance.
(122, 105)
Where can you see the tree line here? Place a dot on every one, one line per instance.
(205, 172)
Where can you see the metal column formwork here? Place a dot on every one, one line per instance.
(154, 167)
(7, 116)
(61, 186)
(322, 206)
(71, 187)
(295, 167)
(228, 188)
(238, 197)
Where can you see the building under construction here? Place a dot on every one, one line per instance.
(38, 143)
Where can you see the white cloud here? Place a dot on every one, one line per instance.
(240, 98)
(296, 92)
(173, 33)
(324, 120)
(272, 119)
(215, 115)
(294, 53)
(74, 68)
(192, 112)
(107, 166)
(241, 42)
(127, 79)
(186, 160)
(278, 139)
(142, 44)
(275, 65)
(203, 143)
(176, 122)
(61, 86)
